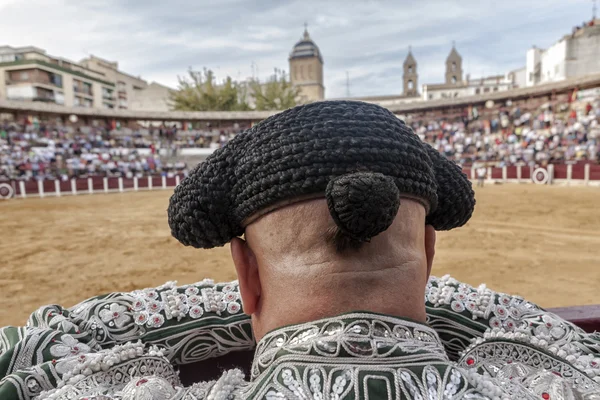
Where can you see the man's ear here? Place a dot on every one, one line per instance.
(247, 272)
(430, 236)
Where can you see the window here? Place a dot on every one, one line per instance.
(410, 85)
(410, 69)
(107, 93)
(23, 76)
(495, 88)
(453, 66)
(430, 96)
(454, 79)
(56, 80)
(486, 90)
(477, 91)
(87, 88)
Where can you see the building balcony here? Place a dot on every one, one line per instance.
(35, 82)
(33, 92)
(85, 93)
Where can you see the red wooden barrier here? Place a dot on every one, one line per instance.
(143, 183)
(16, 187)
(526, 172)
(49, 187)
(156, 181)
(81, 185)
(65, 186)
(127, 183)
(31, 187)
(578, 171)
(113, 183)
(97, 183)
(594, 172)
(171, 182)
(511, 172)
(497, 173)
(560, 171)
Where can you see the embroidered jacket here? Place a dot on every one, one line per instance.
(477, 344)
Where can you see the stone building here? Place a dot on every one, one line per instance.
(455, 86)
(29, 73)
(127, 86)
(306, 69)
(410, 77)
(574, 55)
(454, 70)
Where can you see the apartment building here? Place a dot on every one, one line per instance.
(29, 73)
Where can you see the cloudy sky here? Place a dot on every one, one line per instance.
(161, 39)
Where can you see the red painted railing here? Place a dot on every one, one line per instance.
(577, 173)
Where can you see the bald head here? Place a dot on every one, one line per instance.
(292, 269)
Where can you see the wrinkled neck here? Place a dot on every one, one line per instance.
(324, 290)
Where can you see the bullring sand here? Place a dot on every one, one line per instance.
(540, 242)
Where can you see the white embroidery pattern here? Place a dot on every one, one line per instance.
(304, 361)
(148, 303)
(498, 313)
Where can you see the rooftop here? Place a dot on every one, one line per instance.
(306, 48)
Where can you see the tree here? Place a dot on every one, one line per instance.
(275, 94)
(198, 92)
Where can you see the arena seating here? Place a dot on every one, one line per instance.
(530, 134)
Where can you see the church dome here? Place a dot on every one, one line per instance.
(306, 48)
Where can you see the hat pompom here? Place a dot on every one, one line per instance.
(363, 204)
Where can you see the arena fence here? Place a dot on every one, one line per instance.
(92, 185)
(557, 174)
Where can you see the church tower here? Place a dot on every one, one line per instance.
(306, 69)
(454, 67)
(410, 76)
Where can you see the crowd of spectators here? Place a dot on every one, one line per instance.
(553, 133)
(557, 134)
(28, 151)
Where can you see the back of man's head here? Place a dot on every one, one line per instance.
(296, 266)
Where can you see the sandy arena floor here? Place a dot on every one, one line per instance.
(540, 242)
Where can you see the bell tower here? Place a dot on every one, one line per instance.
(306, 69)
(410, 76)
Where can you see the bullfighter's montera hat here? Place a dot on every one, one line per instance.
(360, 157)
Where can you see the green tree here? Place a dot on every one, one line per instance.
(199, 92)
(275, 94)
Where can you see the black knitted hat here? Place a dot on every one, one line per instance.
(359, 156)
